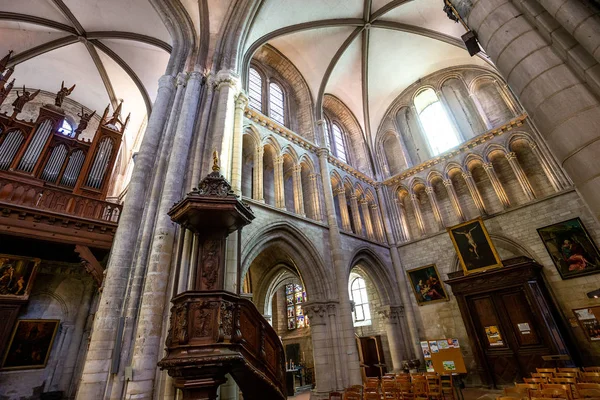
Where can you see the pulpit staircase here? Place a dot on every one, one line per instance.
(214, 332)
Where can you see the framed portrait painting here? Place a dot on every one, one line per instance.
(475, 250)
(427, 285)
(571, 248)
(17, 275)
(30, 344)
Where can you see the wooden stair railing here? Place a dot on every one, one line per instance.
(213, 332)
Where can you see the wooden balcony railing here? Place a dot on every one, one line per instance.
(37, 197)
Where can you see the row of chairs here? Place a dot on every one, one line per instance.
(587, 391)
(429, 386)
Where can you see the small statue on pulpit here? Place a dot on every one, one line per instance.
(83, 122)
(62, 93)
(216, 167)
(23, 99)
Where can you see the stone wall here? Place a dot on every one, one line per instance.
(64, 292)
(513, 233)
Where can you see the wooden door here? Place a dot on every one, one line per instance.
(371, 356)
(511, 332)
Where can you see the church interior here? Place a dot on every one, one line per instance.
(318, 199)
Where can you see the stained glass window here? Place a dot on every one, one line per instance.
(295, 296)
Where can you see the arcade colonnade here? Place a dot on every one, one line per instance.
(201, 107)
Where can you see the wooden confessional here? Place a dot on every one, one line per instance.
(512, 321)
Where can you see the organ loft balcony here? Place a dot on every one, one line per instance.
(54, 176)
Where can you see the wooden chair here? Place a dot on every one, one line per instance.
(588, 390)
(419, 385)
(563, 381)
(447, 386)
(566, 374)
(546, 370)
(371, 385)
(372, 396)
(570, 370)
(542, 398)
(405, 390)
(508, 398)
(335, 396)
(352, 396)
(535, 380)
(590, 377)
(591, 369)
(434, 386)
(389, 389)
(545, 375)
(528, 387)
(402, 377)
(551, 394)
(568, 388)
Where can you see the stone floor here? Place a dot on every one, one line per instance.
(469, 394)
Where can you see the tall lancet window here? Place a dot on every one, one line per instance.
(338, 141)
(255, 90)
(439, 131)
(276, 103)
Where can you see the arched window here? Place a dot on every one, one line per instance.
(255, 90)
(439, 131)
(276, 103)
(326, 133)
(358, 294)
(338, 141)
(66, 129)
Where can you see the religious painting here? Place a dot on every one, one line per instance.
(588, 320)
(17, 275)
(571, 248)
(474, 247)
(30, 344)
(427, 285)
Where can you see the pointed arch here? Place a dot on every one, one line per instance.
(374, 267)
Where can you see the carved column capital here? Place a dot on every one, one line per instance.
(447, 182)
(167, 81)
(340, 191)
(353, 197)
(241, 101)
(323, 151)
(312, 177)
(318, 312)
(226, 78)
(429, 190)
(511, 155)
(363, 202)
(488, 166)
(181, 79)
(391, 314)
(373, 206)
(467, 175)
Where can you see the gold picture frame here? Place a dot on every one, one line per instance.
(426, 284)
(17, 275)
(30, 344)
(475, 250)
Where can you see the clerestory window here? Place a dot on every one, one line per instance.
(438, 129)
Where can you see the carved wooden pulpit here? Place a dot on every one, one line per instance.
(214, 332)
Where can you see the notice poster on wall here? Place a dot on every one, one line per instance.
(449, 365)
(493, 335)
(443, 344)
(434, 346)
(429, 366)
(425, 349)
(455, 344)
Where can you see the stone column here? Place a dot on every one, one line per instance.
(376, 218)
(364, 205)
(345, 328)
(435, 207)
(279, 186)
(520, 174)
(557, 185)
(257, 175)
(237, 152)
(390, 316)
(564, 110)
(404, 232)
(358, 226)
(474, 192)
(97, 364)
(315, 197)
(147, 347)
(480, 112)
(341, 195)
(326, 376)
(298, 195)
(411, 334)
(454, 199)
(489, 169)
(580, 20)
(418, 215)
(222, 122)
